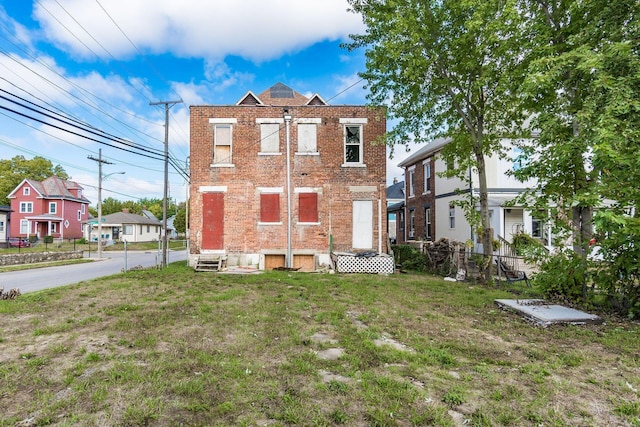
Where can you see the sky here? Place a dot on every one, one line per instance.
(82, 76)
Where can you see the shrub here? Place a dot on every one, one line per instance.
(48, 239)
(409, 258)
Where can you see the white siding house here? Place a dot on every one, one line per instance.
(506, 221)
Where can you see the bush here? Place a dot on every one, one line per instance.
(409, 258)
(48, 239)
(562, 277)
(525, 245)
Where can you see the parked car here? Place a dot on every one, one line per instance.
(19, 243)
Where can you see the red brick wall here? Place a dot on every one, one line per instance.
(324, 172)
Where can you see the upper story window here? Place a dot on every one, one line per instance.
(308, 135)
(222, 141)
(80, 215)
(519, 159)
(53, 207)
(353, 141)
(26, 191)
(426, 166)
(26, 207)
(411, 181)
(82, 208)
(270, 135)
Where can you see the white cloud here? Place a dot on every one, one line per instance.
(257, 30)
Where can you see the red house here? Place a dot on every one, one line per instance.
(53, 207)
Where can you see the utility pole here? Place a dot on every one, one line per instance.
(167, 105)
(100, 162)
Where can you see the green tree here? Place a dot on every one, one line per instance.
(447, 68)
(582, 91)
(111, 205)
(13, 171)
(180, 221)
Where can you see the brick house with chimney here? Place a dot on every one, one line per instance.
(282, 179)
(52, 207)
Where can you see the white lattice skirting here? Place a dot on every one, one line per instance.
(379, 264)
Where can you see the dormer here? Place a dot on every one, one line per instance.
(316, 100)
(249, 99)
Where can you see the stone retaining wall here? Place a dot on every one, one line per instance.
(35, 257)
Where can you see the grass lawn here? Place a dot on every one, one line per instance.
(175, 347)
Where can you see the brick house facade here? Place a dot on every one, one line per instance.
(52, 207)
(240, 189)
(420, 196)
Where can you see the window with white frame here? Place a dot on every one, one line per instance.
(353, 129)
(412, 224)
(269, 137)
(411, 181)
(26, 191)
(307, 136)
(426, 166)
(1, 226)
(353, 144)
(222, 141)
(79, 215)
(26, 207)
(452, 215)
(24, 226)
(83, 208)
(427, 223)
(53, 207)
(127, 229)
(54, 227)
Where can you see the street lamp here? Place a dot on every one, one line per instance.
(100, 178)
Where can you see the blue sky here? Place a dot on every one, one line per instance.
(102, 62)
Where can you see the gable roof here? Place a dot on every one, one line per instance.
(396, 191)
(53, 188)
(129, 218)
(431, 148)
(249, 99)
(316, 100)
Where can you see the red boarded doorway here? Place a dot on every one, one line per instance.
(213, 221)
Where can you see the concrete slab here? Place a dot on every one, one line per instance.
(540, 312)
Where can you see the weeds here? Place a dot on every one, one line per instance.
(171, 347)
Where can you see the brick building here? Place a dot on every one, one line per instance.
(241, 191)
(419, 216)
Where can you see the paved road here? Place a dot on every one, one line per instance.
(111, 263)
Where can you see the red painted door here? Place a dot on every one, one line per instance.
(213, 221)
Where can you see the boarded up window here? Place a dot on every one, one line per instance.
(307, 138)
(308, 207)
(222, 143)
(269, 207)
(269, 138)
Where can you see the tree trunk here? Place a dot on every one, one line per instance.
(485, 232)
